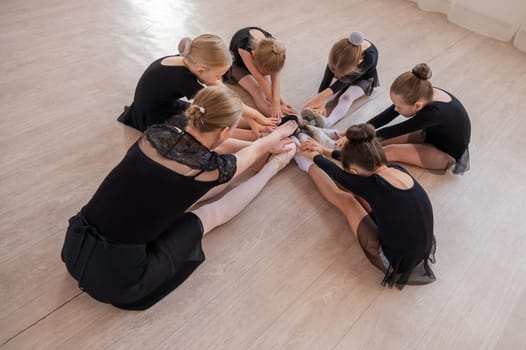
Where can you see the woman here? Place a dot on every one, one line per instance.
(438, 130)
(136, 240)
(388, 211)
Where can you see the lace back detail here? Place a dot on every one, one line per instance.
(176, 144)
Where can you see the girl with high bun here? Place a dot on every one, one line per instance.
(388, 211)
(436, 134)
(257, 55)
(350, 74)
(139, 236)
(158, 96)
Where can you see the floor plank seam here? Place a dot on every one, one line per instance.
(357, 319)
(40, 319)
(298, 297)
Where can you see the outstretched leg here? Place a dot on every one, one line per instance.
(357, 216)
(233, 202)
(414, 137)
(422, 155)
(344, 103)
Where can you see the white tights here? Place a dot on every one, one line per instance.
(234, 201)
(344, 103)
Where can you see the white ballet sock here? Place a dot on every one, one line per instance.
(344, 103)
(302, 137)
(234, 201)
(303, 162)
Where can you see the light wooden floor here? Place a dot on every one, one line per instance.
(286, 273)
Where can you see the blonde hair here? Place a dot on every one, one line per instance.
(362, 148)
(213, 108)
(344, 57)
(270, 55)
(414, 85)
(207, 50)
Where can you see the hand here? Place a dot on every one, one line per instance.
(313, 146)
(341, 142)
(284, 145)
(285, 130)
(288, 109)
(317, 104)
(263, 125)
(260, 118)
(275, 110)
(308, 154)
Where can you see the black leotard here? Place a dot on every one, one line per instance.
(157, 94)
(404, 218)
(446, 125)
(366, 70)
(243, 40)
(133, 242)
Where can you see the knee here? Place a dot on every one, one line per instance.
(446, 161)
(348, 99)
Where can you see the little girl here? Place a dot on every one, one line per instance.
(436, 134)
(386, 208)
(352, 62)
(256, 55)
(202, 61)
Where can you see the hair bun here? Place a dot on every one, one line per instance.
(360, 133)
(278, 46)
(422, 71)
(356, 38)
(195, 112)
(184, 46)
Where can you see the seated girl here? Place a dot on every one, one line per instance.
(437, 132)
(388, 211)
(256, 55)
(350, 74)
(159, 92)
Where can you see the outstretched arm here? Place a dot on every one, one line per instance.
(383, 118)
(247, 156)
(318, 102)
(249, 62)
(275, 102)
(425, 118)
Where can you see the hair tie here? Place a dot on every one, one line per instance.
(419, 76)
(356, 38)
(201, 109)
(184, 46)
(278, 46)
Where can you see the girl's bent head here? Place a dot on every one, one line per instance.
(362, 148)
(214, 108)
(269, 55)
(415, 85)
(207, 50)
(346, 55)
